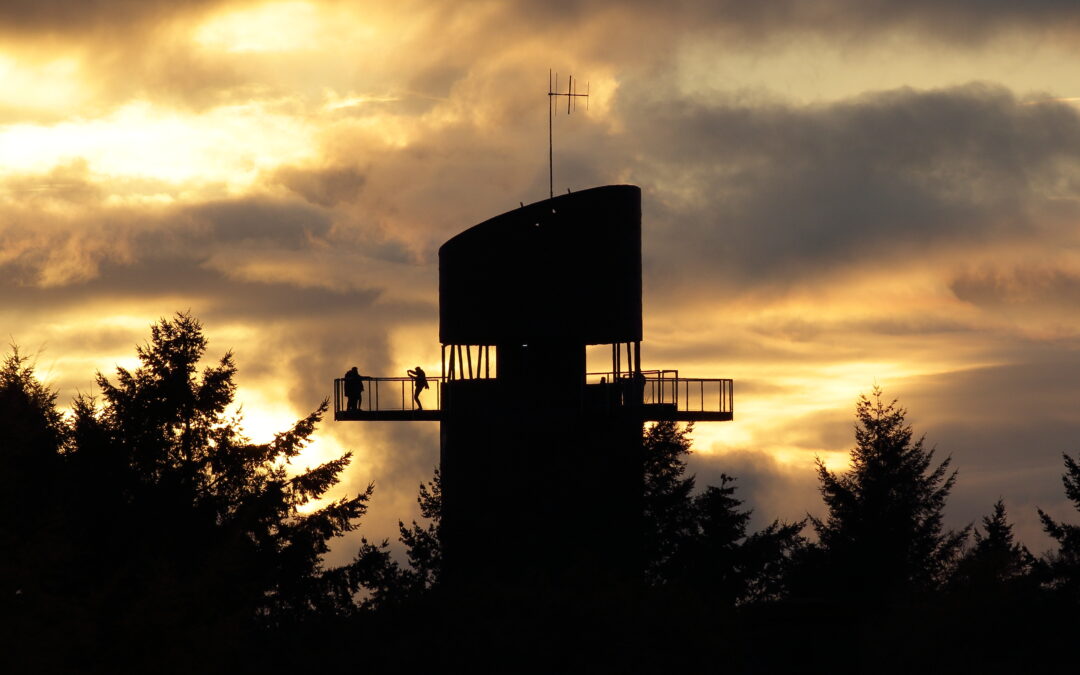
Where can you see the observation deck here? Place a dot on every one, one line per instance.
(391, 399)
(650, 396)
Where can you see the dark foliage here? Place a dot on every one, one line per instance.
(997, 562)
(177, 536)
(670, 518)
(883, 535)
(36, 535)
(145, 533)
(699, 541)
(1061, 568)
(422, 541)
(390, 585)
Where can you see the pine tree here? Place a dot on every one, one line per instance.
(389, 584)
(208, 522)
(883, 534)
(422, 541)
(36, 532)
(669, 515)
(726, 564)
(997, 560)
(1062, 567)
(34, 434)
(699, 542)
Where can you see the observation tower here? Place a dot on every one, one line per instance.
(540, 459)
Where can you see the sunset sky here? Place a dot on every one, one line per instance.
(835, 194)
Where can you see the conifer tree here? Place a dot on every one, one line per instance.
(997, 560)
(422, 541)
(669, 516)
(387, 582)
(34, 434)
(883, 532)
(699, 542)
(35, 529)
(208, 522)
(1062, 567)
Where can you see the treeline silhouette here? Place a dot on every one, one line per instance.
(144, 533)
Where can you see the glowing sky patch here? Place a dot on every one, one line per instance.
(270, 27)
(43, 87)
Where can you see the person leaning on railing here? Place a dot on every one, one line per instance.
(419, 378)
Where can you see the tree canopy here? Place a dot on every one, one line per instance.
(700, 540)
(997, 562)
(174, 527)
(883, 530)
(1063, 565)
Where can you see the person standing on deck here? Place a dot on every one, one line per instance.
(419, 378)
(354, 389)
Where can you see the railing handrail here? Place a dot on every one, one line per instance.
(371, 401)
(687, 394)
(365, 378)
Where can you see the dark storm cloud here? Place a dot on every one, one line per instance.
(853, 20)
(958, 19)
(88, 16)
(779, 192)
(258, 221)
(68, 183)
(324, 187)
(213, 292)
(1039, 287)
(435, 80)
(57, 221)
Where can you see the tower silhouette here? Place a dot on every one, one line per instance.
(540, 460)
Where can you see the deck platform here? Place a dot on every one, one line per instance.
(655, 396)
(388, 415)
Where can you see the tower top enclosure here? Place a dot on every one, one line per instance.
(564, 270)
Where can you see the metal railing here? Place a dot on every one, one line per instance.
(652, 387)
(701, 394)
(665, 387)
(656, 386)
(389, 394)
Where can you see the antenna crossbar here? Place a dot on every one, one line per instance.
(572, 96)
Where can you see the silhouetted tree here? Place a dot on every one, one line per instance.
(700, 541)
(883, 533)
(669, 515)
(36, 532)
(422, 541)
(1062, 567)
(197, 525)
(727, 564)
(387, 582)
(30, 459)
(997, 560)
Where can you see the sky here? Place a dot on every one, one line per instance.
(836, 195)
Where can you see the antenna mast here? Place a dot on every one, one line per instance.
(571, 102)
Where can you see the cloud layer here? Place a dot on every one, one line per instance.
(823, 210)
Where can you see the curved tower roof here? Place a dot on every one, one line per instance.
(566, 269)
